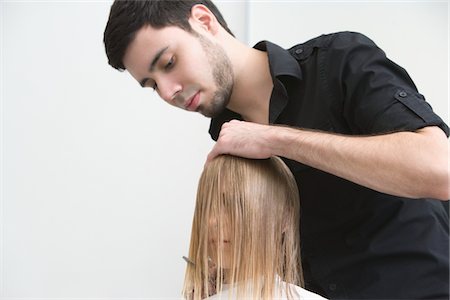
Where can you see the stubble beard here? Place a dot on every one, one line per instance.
(222, 73)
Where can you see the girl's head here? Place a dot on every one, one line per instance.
(246, 225)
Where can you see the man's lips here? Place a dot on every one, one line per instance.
(192, 103)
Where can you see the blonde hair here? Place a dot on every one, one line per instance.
(255, 203)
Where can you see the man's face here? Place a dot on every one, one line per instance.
(187, 70)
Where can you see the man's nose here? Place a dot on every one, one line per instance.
(168, 91)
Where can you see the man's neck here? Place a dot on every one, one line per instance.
(252, 86)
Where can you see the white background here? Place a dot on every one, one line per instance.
(98, 176)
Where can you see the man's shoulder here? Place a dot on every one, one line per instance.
(335, 39)
(336, 44)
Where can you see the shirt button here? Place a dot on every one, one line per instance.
(403, 94)
(299, 51)
(332, 287)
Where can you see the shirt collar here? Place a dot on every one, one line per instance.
(280, 60)
(283, 66)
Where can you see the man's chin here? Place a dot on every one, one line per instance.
(210, 113)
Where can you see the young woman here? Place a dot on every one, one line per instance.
(245, 233)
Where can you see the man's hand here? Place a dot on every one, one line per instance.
(243, 139)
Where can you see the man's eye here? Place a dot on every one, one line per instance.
(155, 86)
(170, 63)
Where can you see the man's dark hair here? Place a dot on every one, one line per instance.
(128, 16)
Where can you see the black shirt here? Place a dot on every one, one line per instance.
(356, 242)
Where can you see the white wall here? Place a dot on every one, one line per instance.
(98, 176)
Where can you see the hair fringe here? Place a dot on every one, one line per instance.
(254, 204)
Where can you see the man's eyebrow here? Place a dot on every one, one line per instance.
(153, 63)
(157, 57)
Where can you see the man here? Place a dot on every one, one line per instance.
(367, 151)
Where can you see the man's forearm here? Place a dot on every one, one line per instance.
(408, 164)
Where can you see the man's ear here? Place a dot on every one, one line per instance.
(202, 18)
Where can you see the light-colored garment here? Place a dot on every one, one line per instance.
(280, 292)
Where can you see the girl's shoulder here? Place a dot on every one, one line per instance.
(295, 292)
